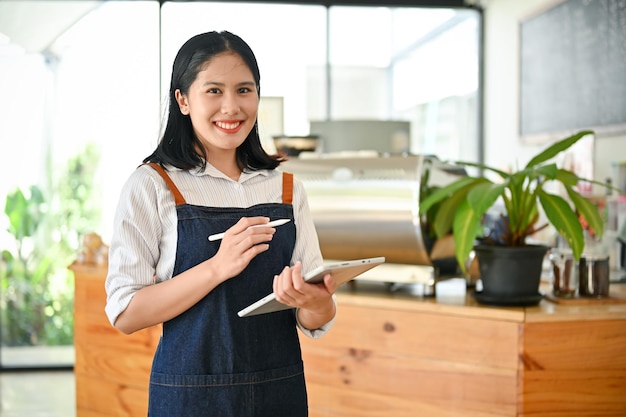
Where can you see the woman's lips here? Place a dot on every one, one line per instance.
(229, 126)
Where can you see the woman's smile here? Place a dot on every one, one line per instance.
(229, 126)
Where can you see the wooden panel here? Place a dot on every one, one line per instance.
(90, 296)
(89, 413)
(463, 306)
(449, 338)
(574, 367)
(95, 395)
(112, 370)
(351, 403)
(96, 331)
(592, 393)
(357, 377)
(576, 345)
(114, 364)
(377, 362)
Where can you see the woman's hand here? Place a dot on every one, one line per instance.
(315, 303)
(240, 245)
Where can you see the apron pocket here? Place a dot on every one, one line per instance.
(276, 392)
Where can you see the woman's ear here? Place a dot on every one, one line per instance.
(181, 99)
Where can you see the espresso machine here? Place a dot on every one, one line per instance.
(367, 205)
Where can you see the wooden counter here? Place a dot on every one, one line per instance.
(112, 370)
(399, 355)
(394, 355)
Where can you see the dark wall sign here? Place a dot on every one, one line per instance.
(573, 68)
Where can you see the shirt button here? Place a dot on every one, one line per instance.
(237, 186)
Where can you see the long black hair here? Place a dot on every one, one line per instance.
(179, 144)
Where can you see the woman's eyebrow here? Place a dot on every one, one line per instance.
(219, 84)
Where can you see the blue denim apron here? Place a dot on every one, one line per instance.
(211, 362)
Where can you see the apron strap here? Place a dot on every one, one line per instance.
(178, 197)
(287, 187)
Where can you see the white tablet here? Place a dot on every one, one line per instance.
(342, 272)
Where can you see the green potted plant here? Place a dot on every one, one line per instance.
(461, 206)
(439, 246)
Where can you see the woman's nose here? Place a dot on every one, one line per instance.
(230, 104)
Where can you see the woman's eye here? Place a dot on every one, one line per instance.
(244, 90)
(213, 90)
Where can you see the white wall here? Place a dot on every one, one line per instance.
(503, 146)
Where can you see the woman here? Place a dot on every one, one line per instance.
(209, 174)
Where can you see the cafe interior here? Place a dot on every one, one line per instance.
(368, 99)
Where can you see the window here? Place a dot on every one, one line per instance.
(95, 73)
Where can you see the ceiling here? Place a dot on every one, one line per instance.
(35, 25)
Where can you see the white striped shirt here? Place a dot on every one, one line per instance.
(144, 238)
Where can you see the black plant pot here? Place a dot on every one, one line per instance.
(510, 275)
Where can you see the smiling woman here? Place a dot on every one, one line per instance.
(163, 269)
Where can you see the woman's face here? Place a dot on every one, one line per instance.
(222, 103)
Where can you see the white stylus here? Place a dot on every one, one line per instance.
(273, 223)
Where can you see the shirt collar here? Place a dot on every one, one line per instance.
(210, 170)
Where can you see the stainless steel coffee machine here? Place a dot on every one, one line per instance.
(367, 205)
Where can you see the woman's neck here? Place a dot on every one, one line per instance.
(227, 166)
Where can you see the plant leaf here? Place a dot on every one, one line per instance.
(515, 184)
(445, 192)
(464, 229)
(444, 218)
(549, 171)
(528, 216)
(588, 210)
(590, 181)
(557, 148)
(442, 221)
(15, 208)
(483, 196)
(501, 173)
(563, 218)
(567, 178)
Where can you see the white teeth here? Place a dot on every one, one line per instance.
(227, 125)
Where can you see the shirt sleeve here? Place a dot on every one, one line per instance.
(317, 333)
(307, 249)
(134, 249)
